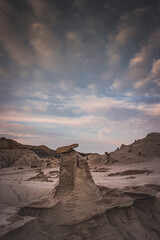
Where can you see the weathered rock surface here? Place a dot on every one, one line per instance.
(76, 189)
(74, 174)
(76, 192)
(13, 153)
(19, 157)
(141, 150)
(96, 160)
(66, 149)
(131, 213)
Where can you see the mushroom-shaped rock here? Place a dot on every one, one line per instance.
(66, 149)
(76, 199)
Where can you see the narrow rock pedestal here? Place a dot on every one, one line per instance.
(75, 175)
(76, 189)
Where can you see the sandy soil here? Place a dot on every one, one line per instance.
(101, 178)
(16, 190)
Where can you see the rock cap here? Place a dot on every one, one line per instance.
(66, 149)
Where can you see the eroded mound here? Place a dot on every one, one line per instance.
(141, 150)
(13, 153)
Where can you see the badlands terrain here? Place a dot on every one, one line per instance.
(64, 194)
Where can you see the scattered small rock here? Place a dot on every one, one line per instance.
(101, 170)
(53, 172)
(131, 177)
(129, 172)
(39, 177)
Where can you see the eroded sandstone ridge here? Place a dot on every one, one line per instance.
(16, 154)
(142, 150)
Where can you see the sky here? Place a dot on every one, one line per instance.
(79, 71)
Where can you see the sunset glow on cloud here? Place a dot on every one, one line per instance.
(79, 71)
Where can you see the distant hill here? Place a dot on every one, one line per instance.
(14, 153)
(141, 150)
(10, 144)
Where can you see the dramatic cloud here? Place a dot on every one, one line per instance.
(79, 71)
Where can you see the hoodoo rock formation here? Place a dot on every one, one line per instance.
(76, 189)
(75, 175)
(74, 201)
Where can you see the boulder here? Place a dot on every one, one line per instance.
(66, 149)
